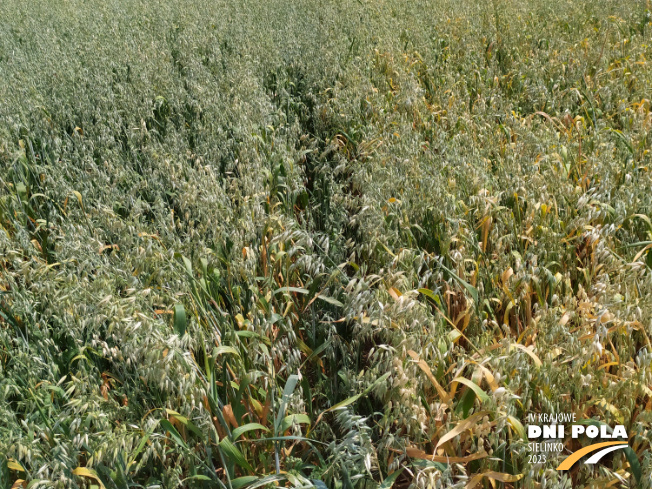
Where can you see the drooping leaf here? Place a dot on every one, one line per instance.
(298, 290)
(471, 290)
(89, 473)
(225, 350)
(243, 481)
(473, 386)
(232, 452)
(461, 427)
(429, 293)
(288, 421)
(186, 422)
(388, 482)
(330, 300)
(13, 465)
(528, 351)
(198, 477)
(352, 399)
(270, 479)
(518, 427)
(240, 430)
(426, 369)
(498, 476)
(166, 425)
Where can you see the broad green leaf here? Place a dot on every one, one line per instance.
(624, 139)
(231, 451)
(352, 399)
(330, 300)
(423, 464)
(188, 264)
(345, 402)
(472, 290)
(38, 483)
(454, 335)
(180, 319)
(240, 430)
(290, 385)
(186, 422)
(389, 480)
(198, 477)
(223, 350)
(173, 432)
(465, 404)
(274, 318)
(317, 351)
(250, 334)
(286, 438)
(141, 445)
(243, 481)
(288, 421)
(634, 464)
(429, 293)
(472, 385)
(270, 479)
(298, 290)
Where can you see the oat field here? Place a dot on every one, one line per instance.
(322, 243)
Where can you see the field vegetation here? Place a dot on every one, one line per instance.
(315, 243)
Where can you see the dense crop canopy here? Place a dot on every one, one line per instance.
(313, 243)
